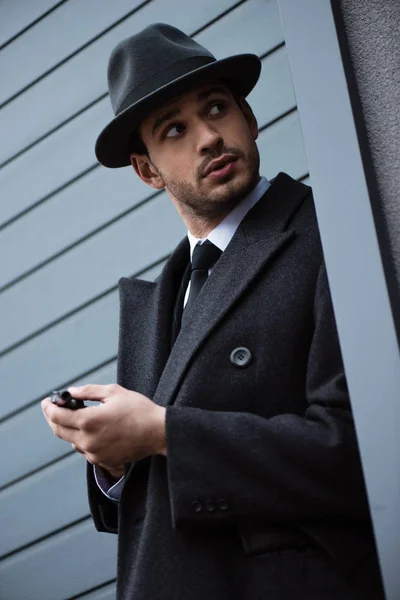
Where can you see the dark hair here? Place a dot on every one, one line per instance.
(136, 144)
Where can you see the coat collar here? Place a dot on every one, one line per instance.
(264, 231)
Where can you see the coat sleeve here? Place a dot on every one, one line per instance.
(228, 466)
(103, 510)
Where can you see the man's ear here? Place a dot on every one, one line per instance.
(147, 171)
(249, 116)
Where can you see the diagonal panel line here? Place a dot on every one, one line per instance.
(45, 537)
(53, 192)
(78, 242)
(37, 470)
(218, 17)
(93, 589)
(32, 24)
(75, 310)
(52, 130)
(67, 58)
(271, 50)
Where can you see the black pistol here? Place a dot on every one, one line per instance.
(65, 400)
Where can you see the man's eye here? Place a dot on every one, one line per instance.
(174, 131)
(216, 108)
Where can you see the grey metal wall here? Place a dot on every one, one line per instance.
(68, 230)
(370, 45)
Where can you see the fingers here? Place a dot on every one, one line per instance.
(56, 415)
(65, 433)
(71, 426)
(93, 391)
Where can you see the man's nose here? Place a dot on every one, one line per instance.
(209, 138)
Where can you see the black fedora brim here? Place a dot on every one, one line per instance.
(240, 72)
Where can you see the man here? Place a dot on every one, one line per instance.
(225, 458)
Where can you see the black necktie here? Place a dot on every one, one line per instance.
(204, 257)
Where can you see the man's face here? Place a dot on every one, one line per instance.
(202, 150)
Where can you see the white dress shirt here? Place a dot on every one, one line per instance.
(220, 236)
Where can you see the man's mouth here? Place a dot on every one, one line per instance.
(220, 165)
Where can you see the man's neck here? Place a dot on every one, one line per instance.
(200, 228)
(201, 225)
(223, 232)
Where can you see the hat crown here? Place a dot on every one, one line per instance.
(143, 56)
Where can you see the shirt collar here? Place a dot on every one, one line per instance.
(222, 234)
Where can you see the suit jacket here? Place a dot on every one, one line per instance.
(262, 456)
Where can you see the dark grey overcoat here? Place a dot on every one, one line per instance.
(261, 495)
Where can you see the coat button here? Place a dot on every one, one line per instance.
(197, 507)
(210, 506)
(223, 504)
(241, 357)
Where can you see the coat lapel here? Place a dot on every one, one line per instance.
(263, 233)
(146, 313)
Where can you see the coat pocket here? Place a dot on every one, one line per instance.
(259, 538)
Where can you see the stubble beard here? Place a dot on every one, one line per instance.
(214, 206)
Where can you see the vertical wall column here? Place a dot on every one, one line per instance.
(361, 276)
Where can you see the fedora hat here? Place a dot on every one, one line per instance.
(156, 65)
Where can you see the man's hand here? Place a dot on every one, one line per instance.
(125, 427)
